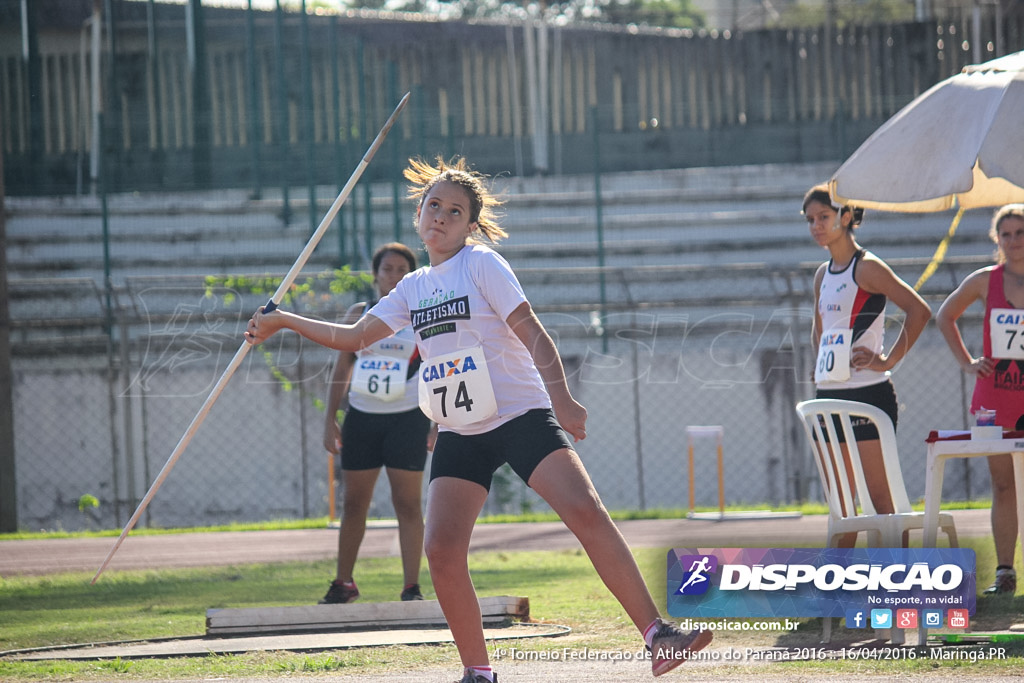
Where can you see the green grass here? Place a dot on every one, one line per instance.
(562, 588)
(276, 524)
(321, 522)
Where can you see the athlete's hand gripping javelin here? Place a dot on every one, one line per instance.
(361, 334)
(262, 326)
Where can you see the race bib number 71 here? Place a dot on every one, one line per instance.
(1006, 327)
(455, 389)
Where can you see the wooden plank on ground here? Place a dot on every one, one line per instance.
(354, 616)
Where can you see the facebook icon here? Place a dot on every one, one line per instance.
(855, 618)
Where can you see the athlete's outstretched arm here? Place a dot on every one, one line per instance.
(364, 332)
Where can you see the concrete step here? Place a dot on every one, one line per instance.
(677, 243)
(746, 213)
(162, 301)
(745, 235)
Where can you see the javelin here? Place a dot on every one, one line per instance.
(282, 289)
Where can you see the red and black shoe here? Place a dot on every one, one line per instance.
(340, 593)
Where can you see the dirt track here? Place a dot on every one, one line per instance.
(246, 547)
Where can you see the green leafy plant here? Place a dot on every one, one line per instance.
(311, 294)
(314, 294)
(118, 665)
(87, 500)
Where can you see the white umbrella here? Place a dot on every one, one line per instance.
(961, 142)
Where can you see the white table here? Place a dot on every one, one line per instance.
(942, 450)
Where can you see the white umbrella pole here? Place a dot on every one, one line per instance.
(243, 350)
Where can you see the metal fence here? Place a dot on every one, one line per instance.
(678, 297)
(100, 426)
(144, 95)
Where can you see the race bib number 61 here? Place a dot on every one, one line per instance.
(455, 389)
(380, 378)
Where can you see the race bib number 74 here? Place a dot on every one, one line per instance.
(455, 389)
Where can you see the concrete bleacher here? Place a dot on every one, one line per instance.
(672, 241)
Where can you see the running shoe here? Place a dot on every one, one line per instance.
(670, 647)
(340, 593)
(470, 677)
(1005, 583)
(412, 592)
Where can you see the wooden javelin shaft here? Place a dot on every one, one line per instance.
(243, 350)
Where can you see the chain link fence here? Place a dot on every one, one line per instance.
(100, 427)
(677, 297)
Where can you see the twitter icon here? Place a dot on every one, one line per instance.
(881, 618)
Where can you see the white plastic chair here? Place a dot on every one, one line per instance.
(819, 418)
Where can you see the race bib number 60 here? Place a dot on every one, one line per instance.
(1006, 327)
(833, 364)
(455, 389)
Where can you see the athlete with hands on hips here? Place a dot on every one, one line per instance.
(999, 372)
(850, 294)
(492, 379)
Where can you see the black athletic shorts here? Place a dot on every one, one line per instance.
(373, 440)
(881, 395)
(521, 442)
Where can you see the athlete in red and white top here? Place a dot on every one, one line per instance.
(851, 318)
(999, 371)
(850, 294)
(492, 378)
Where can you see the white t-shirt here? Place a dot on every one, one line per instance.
(461, 304)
